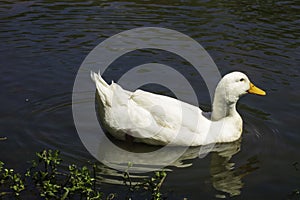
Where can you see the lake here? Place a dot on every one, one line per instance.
(43, 44)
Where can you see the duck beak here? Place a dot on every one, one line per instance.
(255, 90)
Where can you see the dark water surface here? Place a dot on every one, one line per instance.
(43, 44)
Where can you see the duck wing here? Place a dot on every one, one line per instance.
(148, 117)
(168, 112)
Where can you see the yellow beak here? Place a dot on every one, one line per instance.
(255, 90)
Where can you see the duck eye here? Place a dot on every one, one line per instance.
(242, 79)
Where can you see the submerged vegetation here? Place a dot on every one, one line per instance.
(46, 179)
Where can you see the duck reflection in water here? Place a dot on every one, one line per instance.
(225, 177)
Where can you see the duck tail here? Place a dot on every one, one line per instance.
(103, 88)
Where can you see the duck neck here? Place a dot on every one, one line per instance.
(222, 107)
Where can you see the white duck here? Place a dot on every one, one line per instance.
(160, 120)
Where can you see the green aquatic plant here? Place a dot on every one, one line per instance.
(54, 184)
(151, 184)
(11, 183)
(154, 184)
(48, 179)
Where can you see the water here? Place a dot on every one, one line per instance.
(43, 44)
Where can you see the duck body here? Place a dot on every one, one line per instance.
(160, 120)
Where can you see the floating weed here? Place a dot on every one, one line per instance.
(151, 185)
(11, 183)
(46, 179)
(54, 184)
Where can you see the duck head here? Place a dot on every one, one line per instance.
(230, 88)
